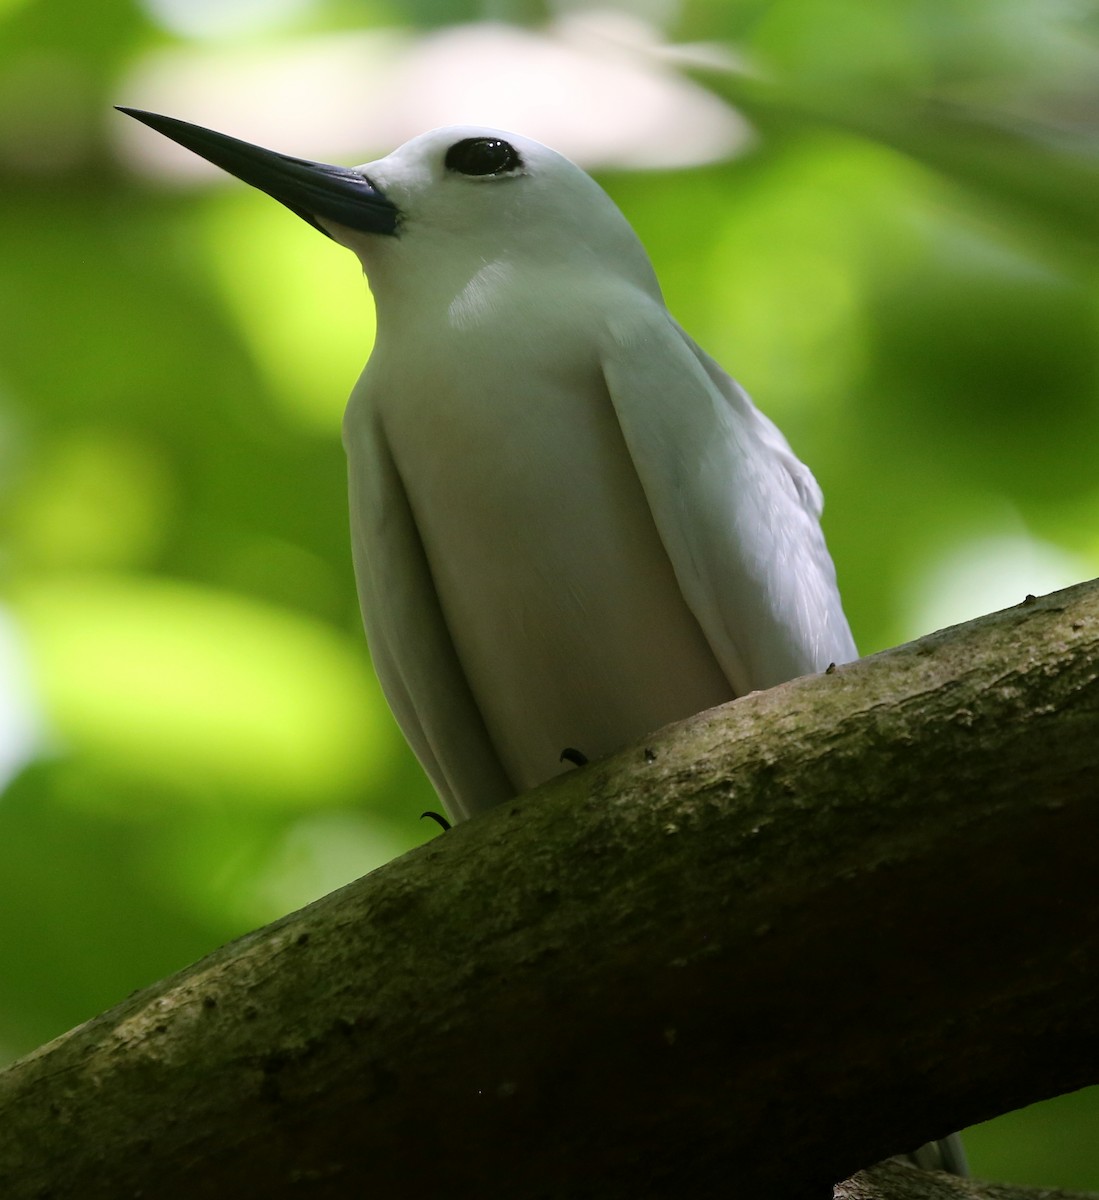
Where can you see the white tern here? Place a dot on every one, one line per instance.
(570, 526)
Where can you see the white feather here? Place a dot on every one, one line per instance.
(570, 526)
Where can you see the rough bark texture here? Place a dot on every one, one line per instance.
(895, 1180)
(773, 944)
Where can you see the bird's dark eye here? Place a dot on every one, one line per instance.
(482, 156)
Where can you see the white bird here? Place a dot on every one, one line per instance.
(570, 526)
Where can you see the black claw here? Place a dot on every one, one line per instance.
(443, 823)
(569, 754)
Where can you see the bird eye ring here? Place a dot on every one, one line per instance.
(482, 156)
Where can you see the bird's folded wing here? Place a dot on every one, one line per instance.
(410, 643)
(738, 514)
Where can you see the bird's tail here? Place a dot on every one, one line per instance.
(947, 1154)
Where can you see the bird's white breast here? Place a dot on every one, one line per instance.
(556, 590)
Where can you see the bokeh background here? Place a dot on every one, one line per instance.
(881, 215)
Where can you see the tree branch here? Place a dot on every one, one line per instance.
(898, 1180)
(777, 942)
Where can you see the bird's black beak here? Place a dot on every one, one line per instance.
(310, 189)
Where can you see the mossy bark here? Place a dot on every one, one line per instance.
(757, 951)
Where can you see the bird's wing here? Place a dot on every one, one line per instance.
(408, 637)
(738, 514)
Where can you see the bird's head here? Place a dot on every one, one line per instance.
(458, 196)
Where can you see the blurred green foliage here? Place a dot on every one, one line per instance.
(901, 268)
